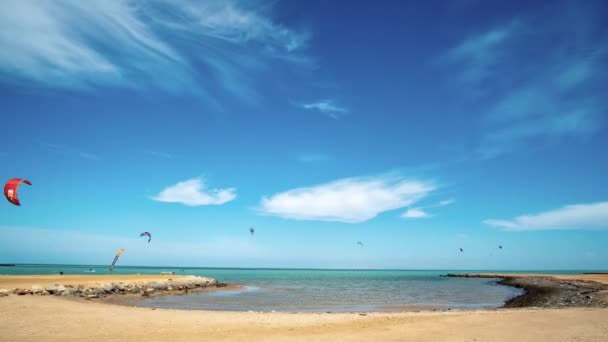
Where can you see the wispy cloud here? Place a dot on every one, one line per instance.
(327, 107)
(415, 213)
(421, 211)
(349, 200)
(68, 151)
(530, 92)
(192, 192)
(577, 216)
(447, 202)
(479, 54)
(312, 157)
(185, 45)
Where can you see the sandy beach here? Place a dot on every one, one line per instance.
(50, 318)
(26, 281)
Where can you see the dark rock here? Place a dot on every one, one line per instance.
(22, 292)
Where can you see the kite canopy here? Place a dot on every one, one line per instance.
(146, 234)
(122, 250)
(10, 189)
(251, 230)
(360, 243)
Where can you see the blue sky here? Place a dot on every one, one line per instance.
(417, 128)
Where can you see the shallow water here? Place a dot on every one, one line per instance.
(338, 291)
(300, 290)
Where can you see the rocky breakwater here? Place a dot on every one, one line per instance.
(179, 285)
(549, 292)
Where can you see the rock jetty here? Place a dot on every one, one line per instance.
(549, 292)
(134, 287)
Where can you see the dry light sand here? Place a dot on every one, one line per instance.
(48, 318)
(26, 281)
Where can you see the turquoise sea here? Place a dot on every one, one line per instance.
(317, 290)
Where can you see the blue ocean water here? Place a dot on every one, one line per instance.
(314, 290)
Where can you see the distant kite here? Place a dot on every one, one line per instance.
(251, 230)
(461, 250)
(10, 189)
(148, 235)
(500, 246)
(359, 243)
(122, 250)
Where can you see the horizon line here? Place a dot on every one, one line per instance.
(300, 268)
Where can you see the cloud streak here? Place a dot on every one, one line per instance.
(192, 192)
(532, 93)
(313, 157)
(421, 212)
(327, 107)
(68, 151)
(415, 213)
(174, 46)
(349, 200)
(577, 216)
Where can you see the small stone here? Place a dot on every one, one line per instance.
(92, 296)
(37, 289)
(55, 289)
(22, 292)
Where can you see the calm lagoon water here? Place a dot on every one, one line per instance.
(313, 290)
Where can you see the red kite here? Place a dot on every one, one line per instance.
(10, 189)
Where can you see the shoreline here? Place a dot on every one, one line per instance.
(539, 290)
(69, 318)
(101, 286)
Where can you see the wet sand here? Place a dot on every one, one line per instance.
(50, 318)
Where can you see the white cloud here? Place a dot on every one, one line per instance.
(415, 213)
(327, 107)
(578, 216)
(193, 193)
(227, 21)
(420, 212)
(349, 200)
(131, 43)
